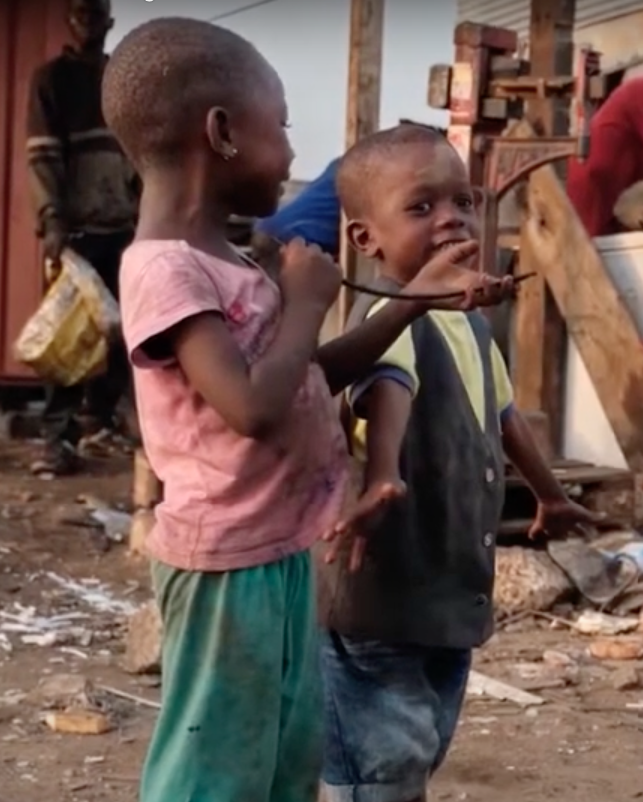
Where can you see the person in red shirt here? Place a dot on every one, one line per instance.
(615, 160)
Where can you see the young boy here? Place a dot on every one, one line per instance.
(235, 410)
(405, 607)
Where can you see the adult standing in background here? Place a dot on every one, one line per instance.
(615, 161)
(85, 196)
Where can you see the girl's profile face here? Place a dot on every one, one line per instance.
(264, 155)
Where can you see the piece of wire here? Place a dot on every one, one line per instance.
(408, 296)
(233, 12)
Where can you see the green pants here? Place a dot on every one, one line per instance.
(241, 717)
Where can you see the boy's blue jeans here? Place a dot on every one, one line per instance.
(391, 713)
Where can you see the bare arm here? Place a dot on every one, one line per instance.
(348, 358)
(387, 407)
(522, 450)
(252, 399)
(556, 514)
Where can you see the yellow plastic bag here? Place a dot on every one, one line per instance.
(67, 340)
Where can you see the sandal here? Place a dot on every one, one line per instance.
(59, 460)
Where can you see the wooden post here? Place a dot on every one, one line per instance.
(596, 316)
(146, 494)
(540, 337)
(363, 110)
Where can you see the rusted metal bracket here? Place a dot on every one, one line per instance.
(509, 160)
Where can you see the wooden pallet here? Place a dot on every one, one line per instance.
(611, 491)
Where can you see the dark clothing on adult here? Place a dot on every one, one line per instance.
(82, 185)
(78, 173)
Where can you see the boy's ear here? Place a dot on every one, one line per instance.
(360, 238)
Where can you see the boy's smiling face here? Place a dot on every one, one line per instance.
(420, 202)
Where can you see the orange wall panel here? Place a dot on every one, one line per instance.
(36, 32)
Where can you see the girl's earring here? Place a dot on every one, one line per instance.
(233, 152)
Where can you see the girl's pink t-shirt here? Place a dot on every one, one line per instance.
(229, 502)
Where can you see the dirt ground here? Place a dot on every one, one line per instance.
(65, 592)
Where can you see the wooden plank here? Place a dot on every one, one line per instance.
(362, 112)
(596, 317)
(514, 528)
(538, 366)
(578, 475)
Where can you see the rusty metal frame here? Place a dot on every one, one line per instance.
(508, 161)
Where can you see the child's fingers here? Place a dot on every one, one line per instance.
(340, 528)
(357, 555)
(331, 554)
(461, 252)
(361, 515)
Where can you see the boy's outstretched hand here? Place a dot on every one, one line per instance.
(451, 271)
(557, 518)
(354, 526)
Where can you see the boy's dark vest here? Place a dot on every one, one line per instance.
(428, 574)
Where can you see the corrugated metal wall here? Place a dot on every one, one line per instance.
(514, 14)
(31, 32)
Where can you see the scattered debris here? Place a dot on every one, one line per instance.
(559, 660)
(527, 580)
(63, 691)
(12, 698)
(481, 685)
(617, 649)
(94, 594)
(599, 577)
(626, 679)
(143, 642)
(39, 630)
(80, 722)
(130, 697)
(120, 779)
(116, 524)
(592, 622)
(540, 676)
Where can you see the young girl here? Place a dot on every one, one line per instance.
(236, 414)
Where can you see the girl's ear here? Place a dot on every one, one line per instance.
(360, 238)
(217, 130)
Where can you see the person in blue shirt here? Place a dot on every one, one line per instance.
(314, 215)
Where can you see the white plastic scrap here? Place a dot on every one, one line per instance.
(94, 594)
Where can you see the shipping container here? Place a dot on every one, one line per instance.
(31, 32)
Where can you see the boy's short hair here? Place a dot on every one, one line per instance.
(166, 74)
(358, 169)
